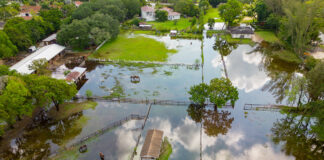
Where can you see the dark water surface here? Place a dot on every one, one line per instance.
(195, 133)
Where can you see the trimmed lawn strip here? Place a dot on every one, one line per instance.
(229, 39)
(180, 24)
(137, 48)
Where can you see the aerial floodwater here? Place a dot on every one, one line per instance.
(158, 92)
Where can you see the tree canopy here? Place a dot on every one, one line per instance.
(7, 48)
(231, 11)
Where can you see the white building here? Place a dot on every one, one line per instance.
(148, 13)
(242, 32)
(48, 52)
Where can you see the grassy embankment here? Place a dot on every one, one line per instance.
(166, 149)
(69, 108)
(137, 48)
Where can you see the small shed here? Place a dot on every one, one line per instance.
(145, 26)
(49, 40)
(173, 33)
(242, 32)
(152, 145)
(76, 74)
(32, 49)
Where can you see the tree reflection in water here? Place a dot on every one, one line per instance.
(36, 143)
(295, 133)
(214, 121)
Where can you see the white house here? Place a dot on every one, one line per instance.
(242, 32)
(148, 13)
(171, 14)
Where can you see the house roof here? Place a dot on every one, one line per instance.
(152, 144)
(78, 3)
(50, 38)
(47, 52)
(167, 9)
(75, 74)
(170, 11)
(241, 30)
(25, 9)
(147, 9)
(173, 14)
(27, 18)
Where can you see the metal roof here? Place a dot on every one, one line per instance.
(241, 30)
(50, 38)
(152, 144)
(147, 9)
(47, 52)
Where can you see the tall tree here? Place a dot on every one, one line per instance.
(222, 91)
(14, 101)
(300, 23)
(231, 11)
(215, 3)
(7, 49)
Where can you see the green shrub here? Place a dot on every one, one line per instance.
(89, 93)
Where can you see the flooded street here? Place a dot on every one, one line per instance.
(194, 133)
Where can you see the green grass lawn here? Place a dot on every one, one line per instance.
(70, 108)
(180, 24)
(229, 39)
(137, 48)
(268, 36)
(212, 13)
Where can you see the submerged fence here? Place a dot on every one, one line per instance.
(102, 131)
(140, 135)
(141, 101)
(189, 66)
(262, 107)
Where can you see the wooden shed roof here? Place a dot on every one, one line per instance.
(152, 144)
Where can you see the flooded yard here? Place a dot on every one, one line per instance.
(194, 133)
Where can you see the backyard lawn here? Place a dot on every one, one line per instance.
(212, 13)
(180, 24)
(229, 39)
(133, 49)
(268, 36)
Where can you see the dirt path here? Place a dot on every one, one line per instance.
(256, 38)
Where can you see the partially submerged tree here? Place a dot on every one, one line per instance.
(199, 93)
(222, 91)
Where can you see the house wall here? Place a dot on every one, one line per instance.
(173, 17)
(148, 16)
(248, 36)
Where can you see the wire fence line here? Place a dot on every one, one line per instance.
(102, 131)
(189, 66)
(141, 101)
(140, 135)
(262, 107)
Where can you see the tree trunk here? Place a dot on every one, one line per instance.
(57, 106)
